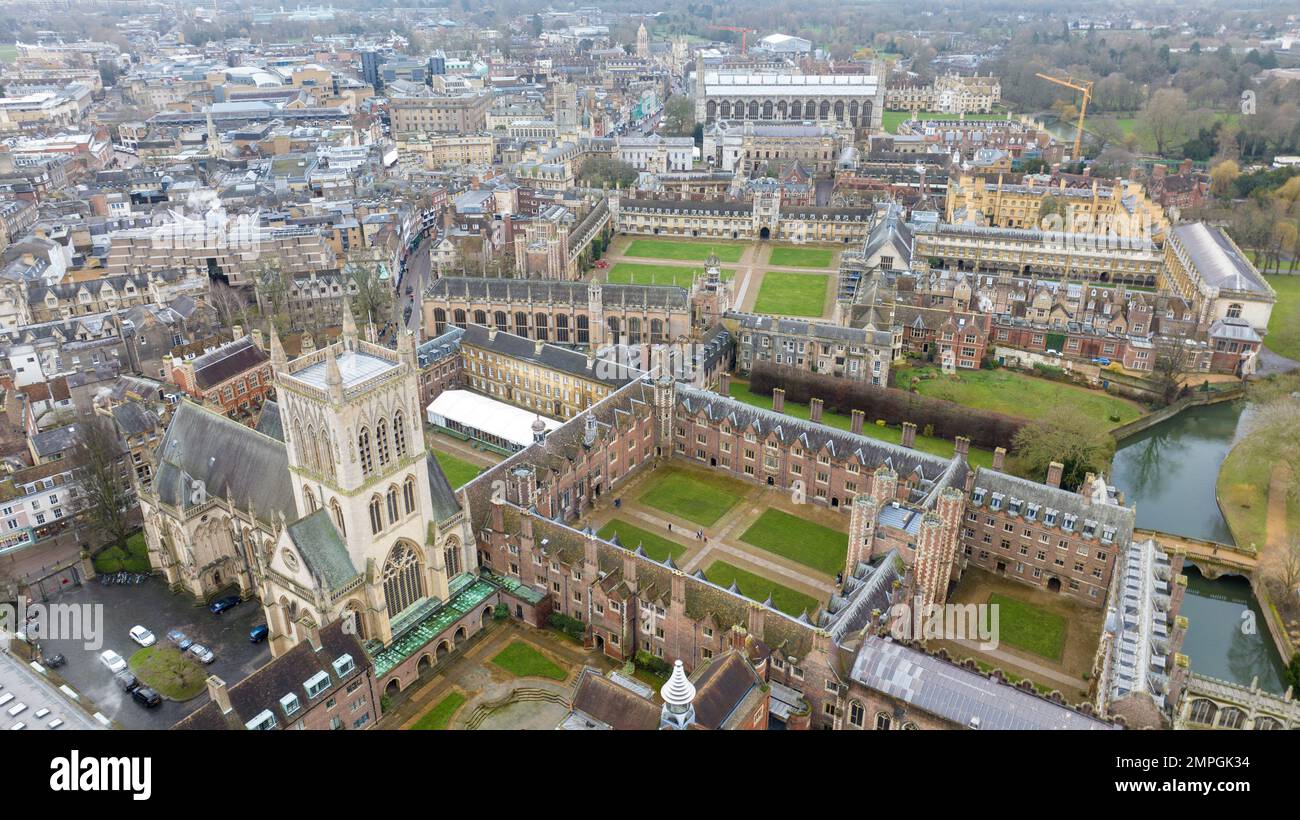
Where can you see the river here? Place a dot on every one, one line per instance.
(1169, 473)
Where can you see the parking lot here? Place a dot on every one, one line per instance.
(152, 605)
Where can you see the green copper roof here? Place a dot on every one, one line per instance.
(467, 592)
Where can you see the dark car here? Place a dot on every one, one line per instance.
(126, 681)
(222, 604)
(146, 697)
(258, 633)
(55, 661)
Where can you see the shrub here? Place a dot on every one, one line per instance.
(569, 626)
(652, 663)
(500, 612)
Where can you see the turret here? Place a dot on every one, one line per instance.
(679, 700)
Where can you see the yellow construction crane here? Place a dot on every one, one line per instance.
(1084, 88)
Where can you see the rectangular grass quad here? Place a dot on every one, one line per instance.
(690, 251)
(1029, 627)
(523, 661)
(758, 588)
(802, 257)
(789, 536)
(792, 294)
(655, 546)
(458, 470)
(632, 273)
(700, 499)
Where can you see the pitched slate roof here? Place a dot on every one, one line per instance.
(611, 705)
(229, 458)
(227, 361)
(442, 495)
(269, 422)
(323, 550)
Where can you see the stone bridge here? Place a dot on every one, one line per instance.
(1210, 557)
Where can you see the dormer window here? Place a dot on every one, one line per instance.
(1068, 523)
(343, 665)
(1049, 517)
(1089, 529)
(317, 684)
(1108, 534)
(995, 503)
(978, 495)
(1014, 506)
(290, 704)
(265, 720)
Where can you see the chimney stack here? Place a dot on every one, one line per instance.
(856, 418)
(313, 638)
(815, 410)
(219, 693)
(724, 384)
(999, 457)
(778, 399)
(1054, 472)
(961, 446)
(909, 434)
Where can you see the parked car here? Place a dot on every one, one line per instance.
(258, 633)
(55, 661)
(180, 639)
(1101, 360)
(112, 660)
(142, 636)
(126, 681)
(146, 697)
(222, 604)
(202, 654)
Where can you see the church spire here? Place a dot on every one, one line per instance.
(333, 376)
(349, 322)
(278, 359)
(679, 700)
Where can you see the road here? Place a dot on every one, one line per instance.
(416, 278)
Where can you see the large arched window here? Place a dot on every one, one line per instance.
(326, 456)
(376, 515)
(1204, 712)
(439, 321)
(458, 318)
(480, 317)
(313, 452)
(408, 495)
(883, 721)
(540, 324)
(363, 451)
(402, 585)
(1230, 717)
(500, 319)
(308, 500)
(451, 556)
(1234, 311)
(399, 434)
(381, 441)
(338, 517)
(392, 505)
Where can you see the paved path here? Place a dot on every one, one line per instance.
(1032, 667)
(1270, 362)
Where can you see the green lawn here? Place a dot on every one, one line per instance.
(692, 251)
(1284, 325)
(440, 715)
(656, 546)
(699, 497)
(458, 470)
(8, 52)
(1243, 490)
(1015, 394)
(894, 435)
(890, 120)
(790, 536)
(633, 273)
(169, 671)
(1028, 627)
(758, 588)
(792, 294)
(523, 661)
(135, 558)
(802, 257)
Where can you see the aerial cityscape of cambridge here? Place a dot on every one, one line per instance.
(474, 365)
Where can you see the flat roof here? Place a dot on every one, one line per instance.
(488, 415)
(354, 366)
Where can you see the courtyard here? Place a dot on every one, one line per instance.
(637, 273)
(1043, 636)
(732, 530)
(783, 293)
(1014, 394)
(685, 250)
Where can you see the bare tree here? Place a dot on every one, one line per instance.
(1288, 569)
(99, 469)
(1170, 364)
(373, 297)
(229, 304)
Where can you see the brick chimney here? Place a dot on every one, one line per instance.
(909, 434)
(999, 457)
(313, 637)
(856, 418)
(815, 410)
(778, 399)
(1054, 472)
(219, 693)
(961, 446)
(724, 384)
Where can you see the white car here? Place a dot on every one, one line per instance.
(202, 654)
(112, 660)
(142, 636)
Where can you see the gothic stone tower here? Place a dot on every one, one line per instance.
(356, 453)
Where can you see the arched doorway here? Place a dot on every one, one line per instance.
(392, 688)
(765, 233)
(442, 651)
(771, 482)
(423, 665)
(1053, 584)
(459, 636)
(487, 617)
(600, 643)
